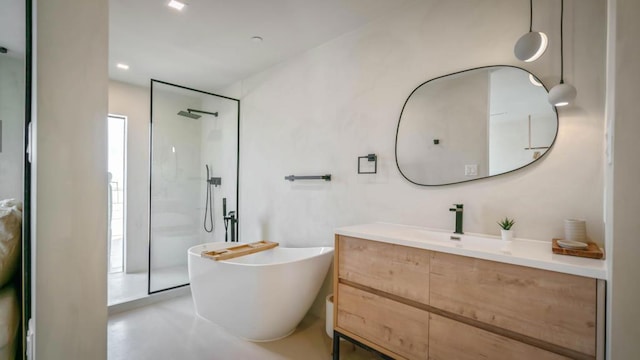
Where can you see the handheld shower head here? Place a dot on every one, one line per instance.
(208, 204)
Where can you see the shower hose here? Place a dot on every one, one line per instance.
(208, 206)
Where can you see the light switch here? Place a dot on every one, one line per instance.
(471, 170)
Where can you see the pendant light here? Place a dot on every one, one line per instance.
(533, 44)
(562, 94)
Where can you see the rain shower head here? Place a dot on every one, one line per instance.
(190, 113)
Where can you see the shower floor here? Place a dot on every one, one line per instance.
(128, 287)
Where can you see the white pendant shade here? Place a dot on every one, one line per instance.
(562, 94)
(531, 46)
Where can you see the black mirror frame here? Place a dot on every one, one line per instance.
(480, 178)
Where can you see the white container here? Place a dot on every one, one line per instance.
(507, 235)
(575, 230)
(329, 316)
(257, 297)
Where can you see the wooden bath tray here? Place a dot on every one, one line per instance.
(239, 250)
(592, 252)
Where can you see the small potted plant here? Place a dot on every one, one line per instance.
(505, 228)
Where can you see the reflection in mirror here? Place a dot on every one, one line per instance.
(194, 165)
(474, 124)
(14, 175)
(12, 99)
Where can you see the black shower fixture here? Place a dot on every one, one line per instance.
(190, 113)
(208, 203)
(3, 50)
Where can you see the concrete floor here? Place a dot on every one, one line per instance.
(172, 330)
(127, 287)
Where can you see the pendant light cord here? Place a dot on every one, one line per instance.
(530, 15)
(561, 42)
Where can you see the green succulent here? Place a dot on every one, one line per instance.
(507, 223)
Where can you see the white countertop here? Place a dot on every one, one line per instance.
(524, 252)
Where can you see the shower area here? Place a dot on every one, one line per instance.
(194, 178)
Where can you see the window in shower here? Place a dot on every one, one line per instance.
(116, 192)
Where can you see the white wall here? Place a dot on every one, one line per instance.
(218, 146)
(317, 112)
(623, 179)
(133, 102)
(12, 132)
(70, 179)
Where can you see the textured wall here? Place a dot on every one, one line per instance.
(218, 147)
(317, 112)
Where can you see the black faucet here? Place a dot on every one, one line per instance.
(458, 209)
(229, 219)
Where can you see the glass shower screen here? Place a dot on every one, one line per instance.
(194, 166)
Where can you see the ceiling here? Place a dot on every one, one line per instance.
(12, 27)
(208, 44)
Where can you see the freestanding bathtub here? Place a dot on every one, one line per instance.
(258, 297)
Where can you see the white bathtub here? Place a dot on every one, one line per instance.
(258, 297)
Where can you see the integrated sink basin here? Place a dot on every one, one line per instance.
(468, 241)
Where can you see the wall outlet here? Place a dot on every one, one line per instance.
(471, 170)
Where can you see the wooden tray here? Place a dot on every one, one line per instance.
(234, 251)
(592, 252)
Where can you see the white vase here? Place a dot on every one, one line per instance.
(329, 316)
(507, 235)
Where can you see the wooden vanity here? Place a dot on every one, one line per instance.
(417, 303)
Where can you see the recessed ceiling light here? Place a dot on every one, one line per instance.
(257, 39)
(123, 66)
(176, 4)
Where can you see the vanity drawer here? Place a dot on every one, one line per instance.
(554, 307)
(452, 340)
(394, 269)
(399, 328)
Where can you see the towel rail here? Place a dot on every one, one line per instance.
(314, 177)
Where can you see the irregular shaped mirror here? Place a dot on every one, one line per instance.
(474, 124)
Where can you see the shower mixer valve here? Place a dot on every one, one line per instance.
(215, 181)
